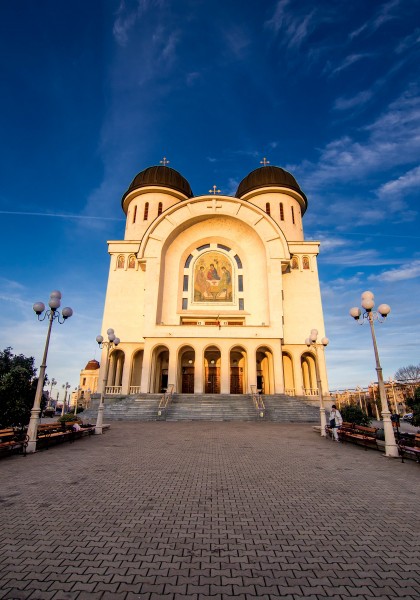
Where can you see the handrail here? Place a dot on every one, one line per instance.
(258, 401)
(165, 400)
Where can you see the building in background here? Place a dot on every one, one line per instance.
(213, 293)
(88, 385)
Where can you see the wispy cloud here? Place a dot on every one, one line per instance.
(61, 216)
(359, 99)
(409, 41)
(391, 140)
(128, 13)
(294, 26)
(410, 181)
(349, 60)
(408, 271)
(384, 14)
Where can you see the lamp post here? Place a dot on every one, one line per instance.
(51, 314)
(311, 342)
(76, 398)
(379, 315)
(52, 384)
(65, 387)
(112, 342)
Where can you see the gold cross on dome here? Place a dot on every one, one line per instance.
(164, 162)
(264, 162)
(214, 190)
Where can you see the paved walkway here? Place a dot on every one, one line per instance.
(209, 510)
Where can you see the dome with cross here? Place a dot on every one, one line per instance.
(160, 176)
(269, 176)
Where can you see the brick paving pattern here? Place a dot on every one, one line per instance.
(209, 511)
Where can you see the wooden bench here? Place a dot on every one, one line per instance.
(404, 448)
(49, 433)
(12, 440)
(359, 434)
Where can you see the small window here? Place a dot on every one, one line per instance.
(84, 381)
(184, 303)
(240, 283)
(120, 262)
(241, 304)
(295, 262)
(305, 262)
(187, 262)
(185, 286)
(281, 212)
(293, 216)
(203, 247)
(160, 206)
(132, 262)
(267, 208)
(146, 211)
(223, 247)
(135, 214)
(238, 261)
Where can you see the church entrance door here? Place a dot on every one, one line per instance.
(212, 380)
(236, 380)
(188, 381)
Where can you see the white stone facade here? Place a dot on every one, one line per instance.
(214, 294)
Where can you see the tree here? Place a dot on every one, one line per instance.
(414, 405)
(354, 414)
(407, 374)
(18, 383)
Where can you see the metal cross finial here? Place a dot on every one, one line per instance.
(164, 162)
(264, 162)
(214, 190)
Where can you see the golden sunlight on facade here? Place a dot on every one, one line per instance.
(213, 294)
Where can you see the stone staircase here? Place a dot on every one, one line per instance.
(206, 407)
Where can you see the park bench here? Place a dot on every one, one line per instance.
(409, 445)
(49, 433)
(12, 440)
(350, 432)
(359, 434)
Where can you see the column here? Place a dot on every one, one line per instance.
(224, 371)
(198, 371)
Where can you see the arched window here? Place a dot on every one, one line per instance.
(305, 262)
(267, 208)
(293, 216)
(146, 211)
(160, 207)
(281, 212)
(132, 262)
(120, 262)
(295, 262)
(135, 214)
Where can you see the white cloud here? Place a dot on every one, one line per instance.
(409, 41)
(409, 181)
(354, 101)
(347, 62)
(409, 271)
(383, 15)
(295, 27)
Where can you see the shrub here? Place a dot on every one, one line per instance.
(69, 417)
(354, 414)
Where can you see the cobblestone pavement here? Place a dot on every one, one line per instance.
(209, 510)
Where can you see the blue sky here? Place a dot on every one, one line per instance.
(94, 92)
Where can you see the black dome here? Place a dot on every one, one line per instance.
(267, 177)
(161, 176)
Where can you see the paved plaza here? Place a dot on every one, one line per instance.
(209, 510)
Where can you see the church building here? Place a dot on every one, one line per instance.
(213, 294)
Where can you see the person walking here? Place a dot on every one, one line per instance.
(336, 420)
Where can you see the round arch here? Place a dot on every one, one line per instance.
(288, 373)
(159, 370)
(307, 362)
(265, 370)
(238, 369)
(186, 369)
(212, 366)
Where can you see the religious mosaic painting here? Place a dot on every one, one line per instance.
(213, 278)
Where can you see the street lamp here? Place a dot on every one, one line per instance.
(51, 314)
(76, 398)
(65, 387)
(379, 315)
(52, 384)
(111, 343)
(311, 342)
